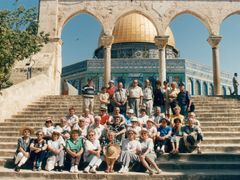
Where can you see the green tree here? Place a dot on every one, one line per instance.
(19, 39)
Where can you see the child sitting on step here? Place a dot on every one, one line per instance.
(23, 147)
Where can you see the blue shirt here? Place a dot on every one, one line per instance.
(183, 98)
(164, 131)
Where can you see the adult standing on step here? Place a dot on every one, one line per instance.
(111, 90)
(148, 96)
(183, 100)
(235, 84)
(120, 98)
(135, 97)
(88, 93)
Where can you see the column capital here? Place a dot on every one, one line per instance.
(161, 41)
(214, 40)
(107, 40)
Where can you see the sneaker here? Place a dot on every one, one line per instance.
(121, 170)
(60, 169)
(158, 149)
(72, 169)
(151, 172)
(17, 169)
(76, 168)
(125, 170)
(159, 171)
(162, 151)
(86, 170)
(93, 169)
(39, 169)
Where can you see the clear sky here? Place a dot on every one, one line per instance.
(80, 38)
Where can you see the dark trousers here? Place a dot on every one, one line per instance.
(123, 109)
(38, 157)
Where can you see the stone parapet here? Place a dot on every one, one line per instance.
(17, 97)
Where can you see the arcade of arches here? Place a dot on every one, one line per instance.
(54, 14)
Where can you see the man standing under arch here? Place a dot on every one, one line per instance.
(235, 84)
(88, 93)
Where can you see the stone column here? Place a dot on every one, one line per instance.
(57, 64)
(214, 41)
(161, 42)
(107, 41)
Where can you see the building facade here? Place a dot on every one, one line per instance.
(134, 55)
(197, 77)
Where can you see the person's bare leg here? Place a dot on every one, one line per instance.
(145, 164)
(173, 148)
(154, 165)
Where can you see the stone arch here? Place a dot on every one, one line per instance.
(147, 14)
(190, 86)
(205, 89)
(201, 18)
(224, 91)
(63, 21)
(211, 90)
(229, 91)
(235, 12)
(197, 88)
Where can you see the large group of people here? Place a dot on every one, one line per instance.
(134, 126)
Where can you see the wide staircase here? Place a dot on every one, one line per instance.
(220, 158)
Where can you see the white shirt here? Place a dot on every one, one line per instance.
(147, 144)
(137, 129)
(147, 93)
(135, 92)
(152, 130)
(55, 144)
(65, 128)
(131, 145)
(143, 119)
(88, 119)
(157, 118)
(47, 131)
(98, 130)
(83, 130)
(72, 119)
(91, 146)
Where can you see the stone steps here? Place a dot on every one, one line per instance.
(7, 152)
(221, 134)
(8, 174)
(201, 157)
(187, 165)
(207, 123)
(8, 145)
(219, 119)
(221, 128)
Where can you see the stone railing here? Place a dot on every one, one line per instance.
(17, 97)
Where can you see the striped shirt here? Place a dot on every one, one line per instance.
(88, 91)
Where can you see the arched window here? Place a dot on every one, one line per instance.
(205, 89)
(211, 90)
(197, 88)
(190, 86)
(229, 91)
(224, 91)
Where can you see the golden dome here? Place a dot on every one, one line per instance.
(135, 27)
